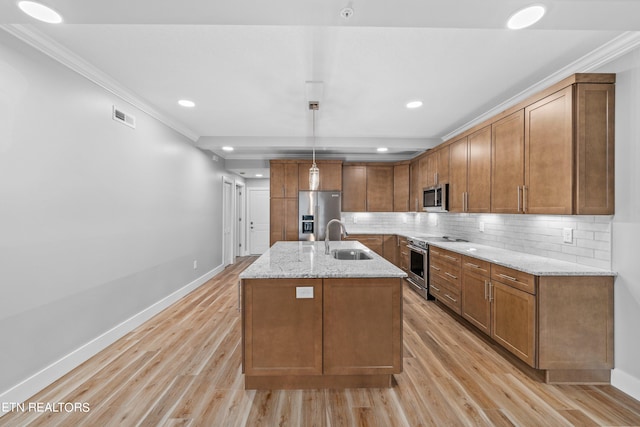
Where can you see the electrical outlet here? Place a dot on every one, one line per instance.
(354, 219)
(567, 235)
(481, 227)
(195, 264)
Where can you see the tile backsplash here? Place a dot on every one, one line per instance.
(535, 234)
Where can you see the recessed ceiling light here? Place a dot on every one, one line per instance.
(382, 149)
(259, 175)
(227, 148)
(40, 12)
(187, 103)
(414, 104)
(526, 17)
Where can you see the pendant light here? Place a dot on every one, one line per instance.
(314, 172)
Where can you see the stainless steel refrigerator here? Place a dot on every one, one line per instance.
(315, 210)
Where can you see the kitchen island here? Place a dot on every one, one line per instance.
(310, 320)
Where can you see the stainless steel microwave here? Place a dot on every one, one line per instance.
(436, 198)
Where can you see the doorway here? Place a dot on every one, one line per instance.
(240, 214)
(228, 213)
(258, 218)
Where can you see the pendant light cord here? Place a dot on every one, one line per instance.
(314, 136)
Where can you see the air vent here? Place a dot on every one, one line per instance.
(124, 118)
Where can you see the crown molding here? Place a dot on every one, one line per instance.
(49, 47)
(595, 59)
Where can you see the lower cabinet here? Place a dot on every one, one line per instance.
(321, 333)
(562, 325)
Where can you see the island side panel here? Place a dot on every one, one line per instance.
(362, 326)
(282, 328)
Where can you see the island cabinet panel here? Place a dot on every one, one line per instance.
(362, 326)
(286, 340)
(507, 164)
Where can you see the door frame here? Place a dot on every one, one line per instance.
(228, 213)
(240, 227)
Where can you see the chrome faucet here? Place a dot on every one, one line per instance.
(326, 236)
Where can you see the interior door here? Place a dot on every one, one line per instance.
(227, 222)
(258, 220)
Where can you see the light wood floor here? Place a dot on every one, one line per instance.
(183, 368)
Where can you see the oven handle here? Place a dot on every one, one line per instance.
(413, 282)
(417, 249)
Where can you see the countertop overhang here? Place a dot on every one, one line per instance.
(308, 260)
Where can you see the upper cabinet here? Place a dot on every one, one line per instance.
(551, 154)
(284, 179)
(415, 187)
(470, 173)
(367, 187)
(434, 167)
(507, 164)
(401, 187)
(330, 175)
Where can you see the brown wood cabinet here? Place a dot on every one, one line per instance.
(562, 325)
(390, 248)
(283, 220)
(375, 242)
(362, 326)
(346, 333)
(507, 164)
(470, 174)
(434, 167)
(415, 187)
(380, 188)
(354, 188)
(286, 341)
(283, 179)
(476, 305)
(330, 175)
(445, 277)
(404, 257)
(401, 187)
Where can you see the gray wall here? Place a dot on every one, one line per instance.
(98, 221)
(626, 223)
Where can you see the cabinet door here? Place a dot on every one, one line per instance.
(513, 321)
(549, 176)
(276, 220)
(416, 187)
(476, 307)
(283, 179)
(286, 341)
(330, 175)
(595, 112)
(442, 165)
(390, 248)
(276, 179)
(401, 188)
(507, 167)
(458, 176)
(479, 171)
(403, 254)
(380, 188)
(291, 219)
(362, 326)
(375, 242)
(354, 188)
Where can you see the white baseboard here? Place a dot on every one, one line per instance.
(626, 383)
(38, 381)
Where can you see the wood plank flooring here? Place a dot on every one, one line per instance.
(182, 368)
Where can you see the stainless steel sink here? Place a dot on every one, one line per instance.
(350, 254)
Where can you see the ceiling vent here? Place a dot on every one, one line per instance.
(124, 118)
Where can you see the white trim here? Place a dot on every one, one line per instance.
(241, 237)
(226, 212)
(38, 381)
(591, 61)
(66, 57)
(626, 382)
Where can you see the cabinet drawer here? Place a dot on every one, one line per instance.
(517, 279)
(445, 255)
(446, 293)
(476, 265)
(447, 272)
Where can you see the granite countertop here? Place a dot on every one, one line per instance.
(528, 263)
(308, 260)
(532, 264)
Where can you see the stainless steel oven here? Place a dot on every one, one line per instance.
(418, 275)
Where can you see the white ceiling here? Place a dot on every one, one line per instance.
(245, 64)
